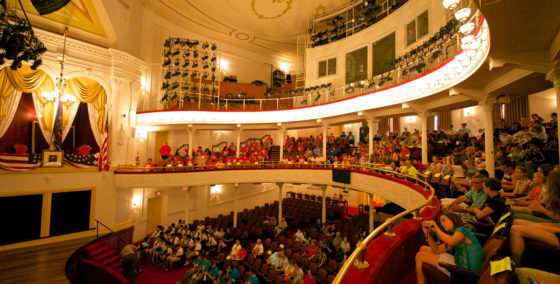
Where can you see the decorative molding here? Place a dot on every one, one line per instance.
(452, 72)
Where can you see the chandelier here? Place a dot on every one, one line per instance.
(17, 40)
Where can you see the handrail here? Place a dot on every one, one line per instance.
(79, 251)
(241, 142)
(119, 238)
(362, 246)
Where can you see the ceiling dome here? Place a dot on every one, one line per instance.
(261, 25)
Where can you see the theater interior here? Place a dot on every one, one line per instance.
(279, 141)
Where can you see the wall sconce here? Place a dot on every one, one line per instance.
(216, 189)
(224, 65)
(468, 111)
(410, 119)
(136, 201)
(285, 67)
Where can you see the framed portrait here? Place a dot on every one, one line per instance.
(52, 159)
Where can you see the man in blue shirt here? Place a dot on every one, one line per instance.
(253, 279)
(332, 152)
(233, 274)
(197, 267)
(343, 135)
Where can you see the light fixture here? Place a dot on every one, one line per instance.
(285, 67)
(319, 120)
(463, 14)
(67, 98)
(405, 106)
(17, 39)
(467, 41)
(216, 189)
(467, 28)
(450, 4)
(360, 113)
(470, 52)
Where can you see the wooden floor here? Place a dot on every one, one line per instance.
(38, 264)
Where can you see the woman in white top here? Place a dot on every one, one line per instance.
(345, 246)
(234, 254)
(258, 249)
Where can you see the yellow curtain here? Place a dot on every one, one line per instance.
(27, 81)
(87, 90)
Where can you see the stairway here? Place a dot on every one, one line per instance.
(275, 153)
(105, 255)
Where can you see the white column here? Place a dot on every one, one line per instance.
(187, 209)
(554, 77)
(489, 138)
(424, 133)
(370, 137)
(280, 185)
(238, 143)
(282, 139)
(371, 215)
(236, 189)
(190, 131)
(325, 128)
(324, 205)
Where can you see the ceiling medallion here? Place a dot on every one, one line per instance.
(264, 17)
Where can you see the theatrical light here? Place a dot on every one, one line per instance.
(17, 39)
(462, 14)
(466, 42)
(466, 28)
(450, 4)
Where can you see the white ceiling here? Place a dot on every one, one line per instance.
(266, 26)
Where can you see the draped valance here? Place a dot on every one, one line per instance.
(23, 80)
(37, 82)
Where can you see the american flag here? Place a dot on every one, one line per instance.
(57, 130)
(20, 162)
(103, 162)
(80, 161)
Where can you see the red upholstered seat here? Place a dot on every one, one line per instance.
(20, 148)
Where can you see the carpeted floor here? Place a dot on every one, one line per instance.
(156, 274)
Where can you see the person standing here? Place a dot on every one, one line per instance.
(165, 151)
(129, 258)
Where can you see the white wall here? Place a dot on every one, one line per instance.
(543, 103)
(411, 123)
(473, 116)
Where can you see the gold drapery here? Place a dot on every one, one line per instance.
(87, 90)
(26, 80)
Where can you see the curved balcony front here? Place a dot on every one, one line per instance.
(453, 71)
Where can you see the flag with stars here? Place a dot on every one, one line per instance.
(57, 130)
(79, 161)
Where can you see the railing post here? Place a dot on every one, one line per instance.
(416, 214)
(226, 108)
(389, 232)
(243, 104)
(277, 104)
(361, 263)
(260, 104)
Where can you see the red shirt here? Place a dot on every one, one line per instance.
(165, 150)
(311, 251)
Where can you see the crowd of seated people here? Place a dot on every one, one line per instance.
(254, 151)
(521, 211)
(309, 253)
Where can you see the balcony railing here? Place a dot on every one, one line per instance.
(425, 58)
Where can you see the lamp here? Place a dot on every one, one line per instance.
(17, 40)
(450, 4)
(463, 14)
(466, 28)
